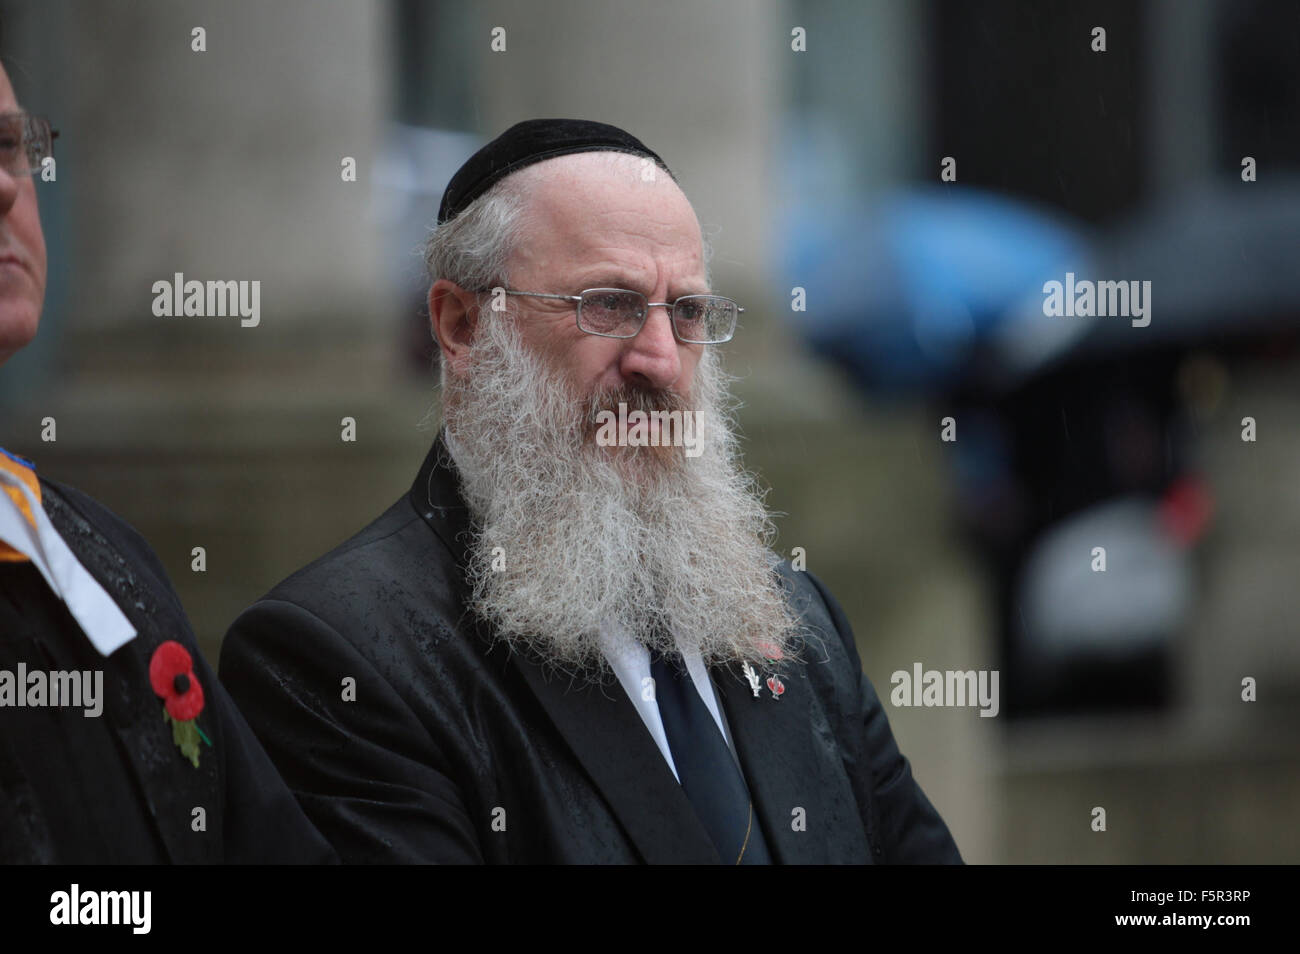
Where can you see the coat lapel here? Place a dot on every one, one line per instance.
(797, 781)
(604, 731)
(172, 787)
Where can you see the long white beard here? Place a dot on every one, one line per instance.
(571, 537)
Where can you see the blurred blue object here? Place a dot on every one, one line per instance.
(908, 292)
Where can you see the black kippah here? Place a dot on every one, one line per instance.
(532, 141)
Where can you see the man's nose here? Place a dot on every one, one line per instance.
(652, 356)
(8, 190)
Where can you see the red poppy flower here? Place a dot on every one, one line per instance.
(770, 651)
(171, 672)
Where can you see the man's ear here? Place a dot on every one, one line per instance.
(454, 314)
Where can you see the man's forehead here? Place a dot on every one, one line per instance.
(599, 182)
(597, 212)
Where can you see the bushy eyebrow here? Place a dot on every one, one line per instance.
(620, 280)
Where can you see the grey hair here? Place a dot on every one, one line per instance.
(474, 248)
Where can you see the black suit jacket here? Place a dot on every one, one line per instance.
(116, 789)
(458, 751)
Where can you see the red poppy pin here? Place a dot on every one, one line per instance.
(171, 672)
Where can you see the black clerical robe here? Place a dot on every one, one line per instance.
(408, 736)
(115, 788)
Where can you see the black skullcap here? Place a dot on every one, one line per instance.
(532, 141)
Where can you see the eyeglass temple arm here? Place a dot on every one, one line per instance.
(544, 295)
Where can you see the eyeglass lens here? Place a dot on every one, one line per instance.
(24, 142)
(703, 319)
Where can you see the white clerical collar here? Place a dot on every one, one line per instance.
(94, 610)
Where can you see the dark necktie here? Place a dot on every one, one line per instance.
(708, 773)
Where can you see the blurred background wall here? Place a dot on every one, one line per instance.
(814, 169)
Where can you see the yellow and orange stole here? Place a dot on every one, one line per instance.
(28, 476)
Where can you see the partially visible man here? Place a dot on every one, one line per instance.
(117, 743)
(570, 642)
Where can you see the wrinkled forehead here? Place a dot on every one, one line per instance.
(607, 205)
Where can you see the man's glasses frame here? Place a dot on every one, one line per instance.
(675, 311)
(35, 142)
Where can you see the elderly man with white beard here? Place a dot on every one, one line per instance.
(558, 647)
